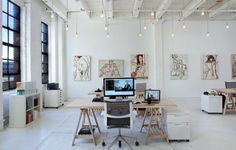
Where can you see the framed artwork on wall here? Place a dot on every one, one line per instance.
(178, 67)
(82, 68)
(210, 67)
(111, 68)
(139, 66)
(233, 66)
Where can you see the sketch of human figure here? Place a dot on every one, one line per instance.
(233, 63)
(110, 68)
(210, 67)
(82, 68)
(179, 69)
(139, 66)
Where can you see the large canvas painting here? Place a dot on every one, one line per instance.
(82, 68)
(139, 66)
(233, 65)
(111, 68)
(210, 68)
(178, 67)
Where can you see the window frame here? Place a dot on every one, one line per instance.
(15, 46)
(43, 53)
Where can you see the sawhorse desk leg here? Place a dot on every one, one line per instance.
(84, 113)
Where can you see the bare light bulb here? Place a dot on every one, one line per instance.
(102, 15)
(202, 13)
(227, 26)
(140, 34)
(172, 34)
(67, 27)
(184, 26)
(152, 13)
(145, 27)
(108, 35)
(76, 35)
(207, 34)
(106, 27)
(52, 14)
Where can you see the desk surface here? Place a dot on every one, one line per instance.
(224, 90)
(100, 105)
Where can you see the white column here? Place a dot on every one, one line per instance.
(1, 102)
(53, 55)
(159, 57)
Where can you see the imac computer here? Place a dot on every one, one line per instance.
(118, 87)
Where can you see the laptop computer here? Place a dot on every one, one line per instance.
(154, 94)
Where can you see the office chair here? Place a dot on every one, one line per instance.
(118, 114)
(231, 85)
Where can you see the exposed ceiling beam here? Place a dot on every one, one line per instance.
(137, 6)
(191, 7)
(85, 6)
(56, 7)
(108, 6)
(162, 8)
(222, 7)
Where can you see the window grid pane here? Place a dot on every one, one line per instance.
(44, 51)
(11, 45)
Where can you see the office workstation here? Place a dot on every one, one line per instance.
(117, 74)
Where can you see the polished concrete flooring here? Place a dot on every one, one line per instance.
(55, 128)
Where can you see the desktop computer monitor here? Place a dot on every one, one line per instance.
(118, 87)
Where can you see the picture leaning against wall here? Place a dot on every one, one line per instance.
(233, 64)
(82, 68)
(178, 67)
(210, 67)
(111, 68)
(139, 66)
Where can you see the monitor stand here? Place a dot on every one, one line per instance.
(119, 98)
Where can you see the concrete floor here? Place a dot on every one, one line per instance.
(55, 128)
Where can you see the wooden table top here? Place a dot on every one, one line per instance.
(100, 105)
(224, 90)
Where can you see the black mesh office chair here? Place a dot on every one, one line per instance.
(118, 114)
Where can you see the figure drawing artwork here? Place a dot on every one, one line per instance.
(178, 67)
(82, 68)
(210, 69)
(233, 65)
(139, 66)
(111, 68)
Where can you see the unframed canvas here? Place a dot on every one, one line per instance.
(233, 65)
(139, 66)
(210, 69)
(178, 67)
(111, 68)
(82, 67)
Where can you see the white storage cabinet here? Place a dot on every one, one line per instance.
(176, 125)
(211, 103)
(53, 98)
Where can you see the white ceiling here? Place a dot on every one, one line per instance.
(164, 9)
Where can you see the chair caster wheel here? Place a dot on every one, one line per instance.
(103, 144)
(119, 143)
(136, 143)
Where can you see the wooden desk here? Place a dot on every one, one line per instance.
(151, 108)
(229, 98)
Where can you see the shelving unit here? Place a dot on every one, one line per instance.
(23, 109)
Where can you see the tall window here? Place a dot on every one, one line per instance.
(44, 50)
(10, 44)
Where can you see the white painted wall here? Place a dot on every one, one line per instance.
(92, 41)
(193, 42)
